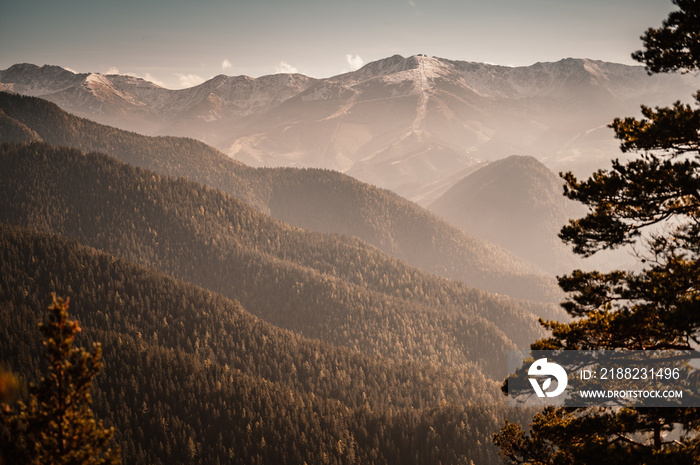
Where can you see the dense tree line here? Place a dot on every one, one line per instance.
(316, 199)
(324, 286)
(150, 306)
(15, 131)
(190, 376)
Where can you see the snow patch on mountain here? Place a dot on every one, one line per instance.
(405, 123)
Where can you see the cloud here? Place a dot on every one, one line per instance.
(147, 77)
(284, 67)
(355, 62)
(410, 2)
(226, 64)
(189, 80)
(154, 80)
(71, 70)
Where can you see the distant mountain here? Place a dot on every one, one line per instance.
(407, 124)
(28, 79)
(517, 203)
(337, 289)
(190, 376)
(314, 199)
(136, 104)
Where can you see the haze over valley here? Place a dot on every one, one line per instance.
(298, 238)
(413, 125)
(451, 285)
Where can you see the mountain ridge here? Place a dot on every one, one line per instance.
(455, 113)
(182, 363)
(349, 207)
(334, 288)
(515, 193)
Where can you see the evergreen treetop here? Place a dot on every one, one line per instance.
(57, 425)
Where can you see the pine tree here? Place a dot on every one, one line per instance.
(57, 425)
(651, 202)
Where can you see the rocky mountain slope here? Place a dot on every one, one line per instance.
(407, 124)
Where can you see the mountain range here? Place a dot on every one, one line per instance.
(336, 289)
(319, 200)
(295, 314)
(414, 125)
(153, 265)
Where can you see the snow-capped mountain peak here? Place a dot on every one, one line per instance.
(407, 123)
(29, 79)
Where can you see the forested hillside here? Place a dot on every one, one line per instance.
(191, 377)
(337, 289)
(519, 194)
(316, 199)
(370, 360)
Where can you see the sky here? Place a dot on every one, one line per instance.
(177, 43)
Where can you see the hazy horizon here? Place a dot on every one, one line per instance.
(178, 44)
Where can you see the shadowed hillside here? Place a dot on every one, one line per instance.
(191, 377)
(334, 288)
(316, 199)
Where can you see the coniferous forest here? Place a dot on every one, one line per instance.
(191, 376)
(163, 303)
(231, 337)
